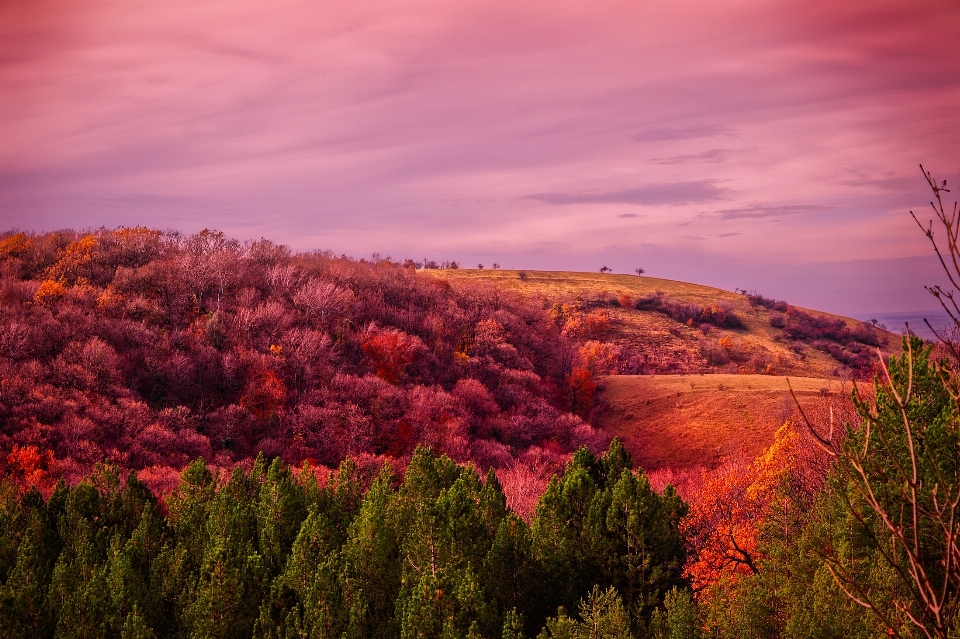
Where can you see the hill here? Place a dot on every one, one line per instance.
(806, 343)
(701, 398)
(682, 422)
(149, 349)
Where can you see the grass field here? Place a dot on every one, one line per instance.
(688, 421)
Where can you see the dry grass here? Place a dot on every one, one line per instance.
(682, 422)
(667, 344)
(675, 425)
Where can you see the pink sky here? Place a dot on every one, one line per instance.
(760, 145)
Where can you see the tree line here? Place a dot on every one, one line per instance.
(276, 552)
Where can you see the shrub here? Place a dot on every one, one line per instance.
(756, 299)
(721, 315)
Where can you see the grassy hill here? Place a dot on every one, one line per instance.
(669, 346)
(710, 411)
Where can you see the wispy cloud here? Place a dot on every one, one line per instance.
(890, 183)
(670, 134)
(647, 195)
(710, 156)
(756, 211)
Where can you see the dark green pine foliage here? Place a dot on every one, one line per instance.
(440, 513)
(88, 594)
(29, 548)
(272, 554)
(600, 524)
(224, 600)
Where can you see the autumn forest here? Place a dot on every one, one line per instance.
(201, 437)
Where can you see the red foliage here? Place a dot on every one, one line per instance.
(580, 391)
(150, 349)
(265, 395)
(390, 352)
(29, 468)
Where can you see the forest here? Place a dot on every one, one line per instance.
(149, 350)
(204, 438)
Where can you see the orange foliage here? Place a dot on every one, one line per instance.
(265, 395)
(109, 299)
(17, 245)
(600, 358)
(579, 326)
(49, 290)
(75, 259)
(728, 511)
(390, 352)
(136, 237)
(625, 300)
(597, 321)
(30, 468)
(580, 390)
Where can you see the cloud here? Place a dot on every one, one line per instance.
(713, 155)
(757, 211)
(629, 215)
(670, 134)
(646, 195)
(894, 183)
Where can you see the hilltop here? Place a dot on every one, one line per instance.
(707, 392)
(661, 344)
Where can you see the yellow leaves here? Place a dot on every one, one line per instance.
(728, 512)
(725, 342)
(600, 358)
(50, 291)
(15, 246)
(275, 349)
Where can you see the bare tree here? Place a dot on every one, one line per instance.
(902, 471)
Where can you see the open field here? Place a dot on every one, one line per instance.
(665, 344)
(687, 421)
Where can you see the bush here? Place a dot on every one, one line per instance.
(756, 299)
(721, 315)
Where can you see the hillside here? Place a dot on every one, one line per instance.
(706, 392)
(660, 344)
(682, 422)
(149, 349)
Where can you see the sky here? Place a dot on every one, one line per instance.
(769, 146)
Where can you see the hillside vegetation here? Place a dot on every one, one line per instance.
(689, 375)
(150, 349)
(664, 326)
(172, 409)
